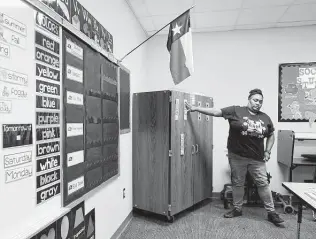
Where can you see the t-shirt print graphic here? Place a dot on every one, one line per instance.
(253, 128)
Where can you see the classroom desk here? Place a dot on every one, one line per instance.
(300, 161)
(299, 189)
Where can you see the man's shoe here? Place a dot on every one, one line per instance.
(274, 218)
(233, 213)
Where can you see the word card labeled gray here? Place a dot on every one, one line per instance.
(47, 193)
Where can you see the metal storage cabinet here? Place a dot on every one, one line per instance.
(172, 152)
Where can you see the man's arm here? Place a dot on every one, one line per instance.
(270, 143)
(206, 111)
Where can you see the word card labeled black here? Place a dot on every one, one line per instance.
(47, 148)
(46, 57)
(47, 72)
(43, 102)
(47, 133)
(46, 42)
(16, 135)
(46, 164)
(47, 193)
(45, 118)
(46, 23)
(47, 178)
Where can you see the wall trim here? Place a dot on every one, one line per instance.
(122, 227)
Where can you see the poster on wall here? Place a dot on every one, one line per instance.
(16, 135)
(297, 92)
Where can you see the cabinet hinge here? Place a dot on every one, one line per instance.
(169, 208)
(170, 98)
(170, 153)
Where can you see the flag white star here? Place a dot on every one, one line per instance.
(176, 29)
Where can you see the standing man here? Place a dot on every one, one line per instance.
(248, 128)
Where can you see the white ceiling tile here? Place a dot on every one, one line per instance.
(295, 24)
(304, 12)
(215, 19)
(160, 21)
(147, 23)
(261, 15)
(213, 29)
(163, 32)
(304, 1)
(265, 3)
(165, 7)
(216, 5)
(139, 8)
(254, 26)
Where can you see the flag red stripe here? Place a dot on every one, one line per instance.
(178, 68)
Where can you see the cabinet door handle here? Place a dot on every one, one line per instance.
(193, 151)
(197, 148)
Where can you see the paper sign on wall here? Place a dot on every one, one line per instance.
(16, 135)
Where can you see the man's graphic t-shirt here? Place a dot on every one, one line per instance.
(247, 131)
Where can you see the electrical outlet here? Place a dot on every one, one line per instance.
(123, 193)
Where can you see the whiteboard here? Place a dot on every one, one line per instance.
(19, 151)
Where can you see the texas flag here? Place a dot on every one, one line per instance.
(179, 46)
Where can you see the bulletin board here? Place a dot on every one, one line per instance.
(297, 92)
(91, 125)
(125, 92)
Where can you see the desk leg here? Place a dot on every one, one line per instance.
(299, 219)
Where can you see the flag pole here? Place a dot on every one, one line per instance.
(154, 34)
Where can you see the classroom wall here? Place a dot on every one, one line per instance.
(228, 65)
(110, 207)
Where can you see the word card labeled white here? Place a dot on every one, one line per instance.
(185, 111)
(177, 110)
(181, 144)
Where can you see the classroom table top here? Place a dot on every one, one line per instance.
(304, 191)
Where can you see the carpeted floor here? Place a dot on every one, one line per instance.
(207, 221)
